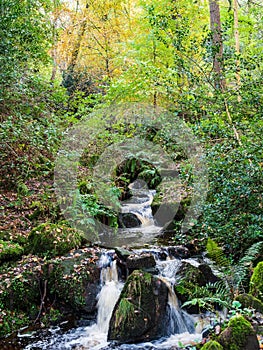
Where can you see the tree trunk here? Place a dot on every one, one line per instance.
(237, 47)
(217, 42)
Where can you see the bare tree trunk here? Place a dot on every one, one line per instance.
(55, 43)
(217, 42)
(237, 47)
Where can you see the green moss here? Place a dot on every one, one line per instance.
(10, 251)
(235, 336)
(53, 239)
(256, 282)
(212, 345)
(124, 313)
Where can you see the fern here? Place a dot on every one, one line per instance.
(216, 254)
(241, 270)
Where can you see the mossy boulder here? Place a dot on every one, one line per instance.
(37, 287)
(248, 301)
(239, 335)
(140, 311)
(73, 283)
(256, 282)
(54, 239)
(190, 277)
(212, 345)
(10, 251)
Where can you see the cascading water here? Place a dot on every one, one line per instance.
(179, 325)
(140, 203)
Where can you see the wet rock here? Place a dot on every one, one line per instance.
(248, 301)
(140, 310)
(239, 335)
(191, 276)
(142, 261)
(128, 220)
(178, 252)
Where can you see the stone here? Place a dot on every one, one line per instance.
(239, 335)
(139, 313)
(190, 277)
(142, 261)
(178, 252)
(128, 220)
(248, 301)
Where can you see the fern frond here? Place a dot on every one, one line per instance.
(241, 270)
(216, 254)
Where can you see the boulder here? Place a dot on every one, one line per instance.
(139, 313)
(256, 282)
(191, 276)
(178, 252)
(142, 261)
(239, 335)
(248, 301)
(128, 220)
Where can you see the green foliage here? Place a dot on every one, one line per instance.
(212, 345)
(216, 253)
(53, 239)
(256, 282)
(10, 251)
(235, 336)
(25, 32)
(11, 321)
(232, 214)
(30, 132)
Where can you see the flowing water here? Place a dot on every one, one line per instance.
(179, 325)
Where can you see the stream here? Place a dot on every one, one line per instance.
(181, 328)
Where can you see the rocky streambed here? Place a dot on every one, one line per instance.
(113, 298)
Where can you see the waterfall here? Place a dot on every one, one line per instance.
(140, 203)
(178, 320)
(179, 326)
(108, 296)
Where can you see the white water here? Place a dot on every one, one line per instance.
(140, 203)
(179, 325)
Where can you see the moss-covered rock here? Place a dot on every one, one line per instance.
(53, 239)
(256, 282)
(239, 335)
(10, 251)
(73, 283)
(140, 310)
(248, 301)
(192, 277)
(212, 345)
(37, 287)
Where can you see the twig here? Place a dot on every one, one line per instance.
(42, 301)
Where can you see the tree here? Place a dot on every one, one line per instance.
(217, 42)
(25, 38)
